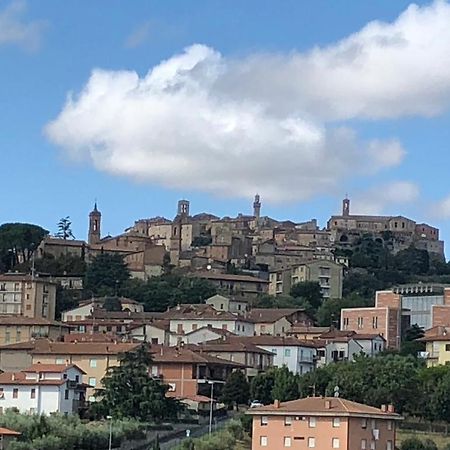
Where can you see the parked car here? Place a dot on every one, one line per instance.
(255, 404)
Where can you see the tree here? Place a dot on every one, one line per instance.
(112, 304)
(413, 261)
(309, 291)
(410, 344)
(65, 228)
(416, 444)
(106, 275)
(65, 299)
(285, 386)
(261, 387)
(236, 390)
(329, 312)
(18, 241)
(129, 391)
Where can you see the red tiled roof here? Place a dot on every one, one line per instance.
(229, 277)
(51, 368)
(317, 406)
(8, 319)
(267, 340)
(270, 315)
(13, 378)
(198, 312)
(8, 432)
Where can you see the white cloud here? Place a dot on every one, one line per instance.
(138, 36)
(15, 30)
(380, 198)
(264, 122)
(441, 209)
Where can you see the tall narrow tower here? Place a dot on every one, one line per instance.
(257, 207)
(346, 206)
(183, 208)
(95, 218)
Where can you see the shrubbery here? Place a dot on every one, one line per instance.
(58, 432)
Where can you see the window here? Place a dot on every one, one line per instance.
(263, 441)
(345, 322)
(389, 445)
(221, 306)
(372, 445)
(194, 326)
(336, 422)
(93, 363)
(66, 394)
(447, 347)
(225, 326)
(59, 360)
(274, 351)
(287, 352)
(363, 423)
(363, 444)
(33, 393)
(389, 425)
(92, 382)
(335, 443)
(312, 422)
(264, 420)
(311, 442)
(375, 322)
(360, 322)
(15, 393)
(180, 328)
(288, 421)
(287, 441)
(373, 424)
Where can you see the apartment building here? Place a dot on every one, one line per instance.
(27, 295)
(276, 322)
(43, 389)
(323, 423)
(328, 274)
(15, 329)
(232, 305)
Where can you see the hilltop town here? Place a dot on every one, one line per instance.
(214, 299)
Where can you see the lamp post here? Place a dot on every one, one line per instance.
(211, 403)
(110, 432)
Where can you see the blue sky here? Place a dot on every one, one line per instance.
(207, 125)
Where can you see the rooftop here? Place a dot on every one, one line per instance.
(51, 368)
(324, 406)
(230, 277)
(270, 315)
(21, 320)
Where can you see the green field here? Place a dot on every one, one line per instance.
(441, 440)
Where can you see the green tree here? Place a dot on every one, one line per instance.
(65, 228)
(129, 391)
(329, 312)
(106, 275)
(261, 387)
(410, 344)
(285, 386)
(65, 299)
(18, 241)
(309, 291)
(413, 261)
(236, 390)
(416, 444)
(112, 304)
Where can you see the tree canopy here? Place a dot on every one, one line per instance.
(18, 241)
(236, 390)
(106, 275)
(65, 228)
(129, 390)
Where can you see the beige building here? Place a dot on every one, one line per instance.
(93, 358)
(15, 329)
(221, 303)
(324, 423)
(328, 274)
(27, 295)
(277, 322)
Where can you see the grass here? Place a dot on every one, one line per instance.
(441, 440)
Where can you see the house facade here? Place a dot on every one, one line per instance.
(323, 423)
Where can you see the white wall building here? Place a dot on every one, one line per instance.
(43, 389)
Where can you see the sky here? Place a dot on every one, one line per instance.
(138, 104)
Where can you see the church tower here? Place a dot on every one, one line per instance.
(183, 208)
(95, 218)
(346, 207)
(257, 207)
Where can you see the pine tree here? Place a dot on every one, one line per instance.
(236, 390)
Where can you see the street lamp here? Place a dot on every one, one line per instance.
(110, 432)
(211, 382)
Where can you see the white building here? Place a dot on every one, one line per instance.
(43, 389)
(186, 318)
(201, 335)
(221, 303)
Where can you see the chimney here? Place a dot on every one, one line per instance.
(327, 404)
(384, 408)
(276, 404)
(390, 408)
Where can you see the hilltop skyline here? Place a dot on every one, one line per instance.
(213, 103)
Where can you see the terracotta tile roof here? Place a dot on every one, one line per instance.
(332, 334)
(219, 331)
(13, 378)
(197, 398)
(317, 406)
(439, 333)
(267, 340)
(270, 315)
(126, 315)
(187, 355)
(52, 368)
(367, 336)
(8, 319)
(90, 337)
(230, 346)
(8, 432)
(300, 329)
(14, 276)
(229, 277)
(198, 312)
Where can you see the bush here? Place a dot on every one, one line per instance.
(416, 444)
